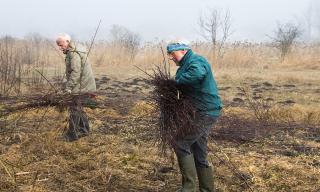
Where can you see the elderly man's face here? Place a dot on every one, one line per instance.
(63, 45)
(177, 56)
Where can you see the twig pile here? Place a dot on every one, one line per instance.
(61, 101)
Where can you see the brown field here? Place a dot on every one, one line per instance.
(121, 153)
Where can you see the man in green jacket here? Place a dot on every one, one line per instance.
(79, 79)
(195, 76)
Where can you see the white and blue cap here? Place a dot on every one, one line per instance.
(178, 45)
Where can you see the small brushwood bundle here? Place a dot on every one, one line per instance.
(177, 113)
(61, 101)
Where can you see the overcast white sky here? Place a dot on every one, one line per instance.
(163, 19)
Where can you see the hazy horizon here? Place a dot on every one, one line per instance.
(251, 20)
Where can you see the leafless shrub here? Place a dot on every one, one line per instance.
(284, 38)
(20, 59)
(127, 39)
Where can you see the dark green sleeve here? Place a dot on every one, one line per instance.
(193, 74)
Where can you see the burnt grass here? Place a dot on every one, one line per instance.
(121, 152)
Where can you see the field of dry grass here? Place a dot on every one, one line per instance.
(121, 154)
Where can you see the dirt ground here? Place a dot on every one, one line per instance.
(121, 152)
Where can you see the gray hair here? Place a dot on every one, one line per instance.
(63, 36)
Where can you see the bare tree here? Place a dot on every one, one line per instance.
(226, 31)
(316, 21)
(127, 39)
(308, 22)
(8, 65)
(215, 27)
(308, 16)
(285, 36)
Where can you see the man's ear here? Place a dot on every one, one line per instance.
(69, 44)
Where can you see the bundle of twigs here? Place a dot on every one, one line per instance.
(177, 114)
(61, 101)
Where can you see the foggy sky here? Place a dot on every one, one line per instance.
(163, 19)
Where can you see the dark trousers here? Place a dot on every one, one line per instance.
(78, 124)
(196, 143)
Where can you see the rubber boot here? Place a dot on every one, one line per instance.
(205, 177)
(188, 172)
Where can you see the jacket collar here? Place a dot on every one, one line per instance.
(71, 46)
(185, 58)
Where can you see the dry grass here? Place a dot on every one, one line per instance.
(121, 153)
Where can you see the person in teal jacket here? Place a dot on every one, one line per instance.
(197, 81)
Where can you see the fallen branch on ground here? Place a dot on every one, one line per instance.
(61, 101)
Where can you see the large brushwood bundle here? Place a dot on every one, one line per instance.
(177, 113)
